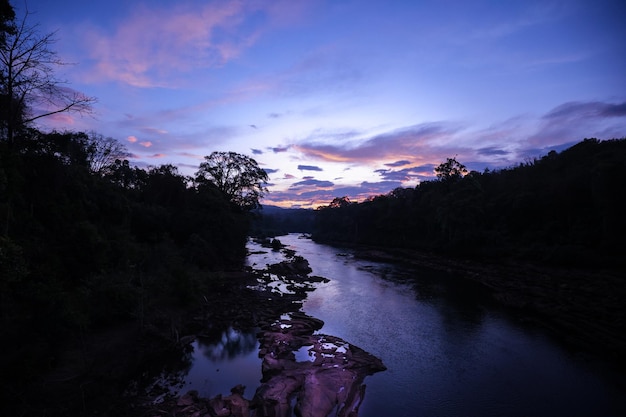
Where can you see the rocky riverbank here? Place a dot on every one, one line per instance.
(303, 371)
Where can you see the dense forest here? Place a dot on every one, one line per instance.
(563, 209)
(271, 221)
(86, 243)
(90, 243)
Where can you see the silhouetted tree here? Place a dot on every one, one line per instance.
(7, 17)
(27, 75)
(238, 176)
(102, 152)
(451, 170)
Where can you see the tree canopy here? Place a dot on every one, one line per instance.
(238, 176)
(562, 208)
(451, 170)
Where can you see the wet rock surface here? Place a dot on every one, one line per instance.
(322, 373)
(306, 373)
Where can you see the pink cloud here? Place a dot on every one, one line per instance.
(154, 45)
(146, 144)
(132, 139)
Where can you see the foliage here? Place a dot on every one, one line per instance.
(563, 208)
(237, 176)
(451, 170)
(275, 221)
(84, 246)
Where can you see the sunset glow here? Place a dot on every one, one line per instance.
(342, 98)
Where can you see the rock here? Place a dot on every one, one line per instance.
(330, 375)
(188, 399)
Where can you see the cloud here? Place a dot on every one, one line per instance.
(256, 151)
(279, 149)
(492, 151)
(576, 120)
(398, 163)
(411, 174)
(313, 193)
(591, 109)
(614, 110)
(146, 144)
(309, 168)
(313, 182)
(270, 170)
(407, 143)
(152, 131)
(156, 45)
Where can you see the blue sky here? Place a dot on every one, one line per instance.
(339, 98)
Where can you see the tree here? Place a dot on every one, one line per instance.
(29, 90)
(339, 202)
(7, 18)
(451, 170)
(103, 152)
(237, 176)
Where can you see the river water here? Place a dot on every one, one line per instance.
(449, 350)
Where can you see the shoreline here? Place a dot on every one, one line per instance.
(584, 309)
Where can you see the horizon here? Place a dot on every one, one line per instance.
(346, 98)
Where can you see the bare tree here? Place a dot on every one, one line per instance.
(28, 82)
(102, 152)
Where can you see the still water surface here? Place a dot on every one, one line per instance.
(449, 351)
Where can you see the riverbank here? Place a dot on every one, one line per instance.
(582, 308)
(132, 369)
(313, 373)
(89, 373)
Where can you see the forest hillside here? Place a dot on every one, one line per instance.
(562, 209)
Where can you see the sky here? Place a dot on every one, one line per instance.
(341, 97)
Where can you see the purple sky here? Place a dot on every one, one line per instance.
(339, 98)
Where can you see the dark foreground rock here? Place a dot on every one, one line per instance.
(322, 373)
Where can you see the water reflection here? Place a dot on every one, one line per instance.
(231, 344)
(448, 349)
(221, 363)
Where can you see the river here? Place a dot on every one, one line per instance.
(449, 350)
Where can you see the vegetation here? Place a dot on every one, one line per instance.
(237, 176)
(562, 209)
(84, 245)
(275, 221)
(88, 241)
(27, 79)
